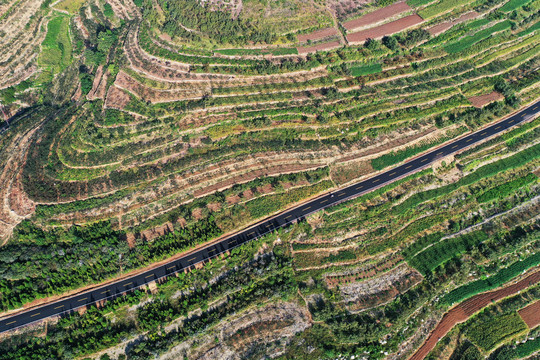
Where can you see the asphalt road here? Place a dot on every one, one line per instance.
(188, 261)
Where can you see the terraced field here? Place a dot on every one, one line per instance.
(134, 132)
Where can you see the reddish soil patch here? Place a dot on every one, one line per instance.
(482, 100)
(197, 214)
(531, 315)
(233, 199)
(385, 29)
(439, 28)
(463, 311)
(116, 98)
(318, 35)
(214, 207)
(248, 194)
(131, 240)
(265, 189)
(377, 16)
(319, 47)
(151, 234)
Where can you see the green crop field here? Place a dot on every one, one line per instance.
(513, 5)
(470, 40)
(365, 69)
(488, 334)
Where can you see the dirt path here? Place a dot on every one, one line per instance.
(466, 309)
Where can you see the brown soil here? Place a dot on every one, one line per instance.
(318, 35)
(116, 98)
(463, 311)
(233, 199)
(482, 100)
(214, 207)
(319, 47)
(531, 315)
(385, 29)
(377, 16)
(439, 28)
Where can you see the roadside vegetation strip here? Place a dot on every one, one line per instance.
(511, 162)
(501, 277)
(441, 7)
(488, 334)
(468, 41)
(396, 157)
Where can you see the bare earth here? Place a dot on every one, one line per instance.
(463, 311)
(482, 100)
(531, 315)
(318, 35)
(385, 29)
(377, 16)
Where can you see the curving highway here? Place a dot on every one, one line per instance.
(188, 261)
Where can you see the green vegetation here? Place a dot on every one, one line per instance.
(488, 334)
(56, 47)
(506, 189)
(468, 41)
(513, 5)
(440, 7)
(365, 69)
(501, 277)
(437, 254)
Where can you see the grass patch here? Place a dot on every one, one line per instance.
(468, 41)
(487, 334)
(365, 69)
(240, 52)
(56, 47)
(513, 5)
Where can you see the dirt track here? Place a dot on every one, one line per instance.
(463, 311)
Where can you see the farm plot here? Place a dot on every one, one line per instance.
(346, 8)
(385, 29)
(441, 7)
(365, 69)
(56, 53)
(380, 289)
(468, 41)
(488, 334)
(318, 35)
(531, 315)
(513, 5)
(378, 16)
(444, 26)
(319, 47)
(480, 101)
(258, 52)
